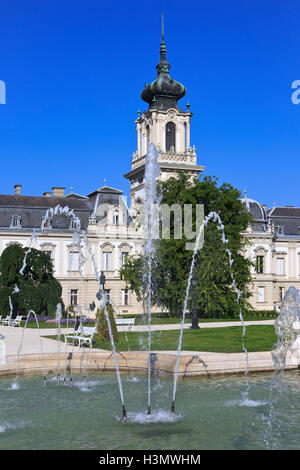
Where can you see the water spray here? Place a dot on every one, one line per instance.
(124, 413)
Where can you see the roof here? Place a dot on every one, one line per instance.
(286, 211)
(255, 208)
(75, 196)
(32, 209)
(286, 220)
(105, 189)
(7, 200)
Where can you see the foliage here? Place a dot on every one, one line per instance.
(170, 267)
(71, 309)
(35, 288)
(102, 324)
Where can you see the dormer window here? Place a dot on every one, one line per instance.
(15, 221)
(74, 224)
(116, 218)
(279, 229)
(47, 224)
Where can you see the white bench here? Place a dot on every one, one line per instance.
(16, 321)
(125, 321)
(83, 335)
(6, 320)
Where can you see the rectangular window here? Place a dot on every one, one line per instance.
(261, 294)
(280, 266)
(281, 293)
(260, 264)
(125, 297)
(107, 291)
(116, 218)
(106, 261)
(123, 258)
(74, 297)
(73, 261)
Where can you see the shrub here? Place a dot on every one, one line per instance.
(102, 326)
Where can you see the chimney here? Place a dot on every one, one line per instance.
(47, 194)
(58, 191)
(18, 189)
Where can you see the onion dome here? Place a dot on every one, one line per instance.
(164, 92)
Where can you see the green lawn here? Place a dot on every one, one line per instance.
(227, 340)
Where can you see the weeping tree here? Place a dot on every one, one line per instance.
(34, 288)
(171, 265)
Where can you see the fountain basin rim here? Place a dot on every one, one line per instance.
(190, 365)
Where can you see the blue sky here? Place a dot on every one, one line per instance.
(74, 70)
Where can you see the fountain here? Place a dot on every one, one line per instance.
(216, 392)
(152, 171)
(2, 351)
(216, 218)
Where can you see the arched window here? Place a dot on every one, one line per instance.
(170, 137)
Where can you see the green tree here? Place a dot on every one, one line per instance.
(35, 288)
(102, 324)
(171, 265)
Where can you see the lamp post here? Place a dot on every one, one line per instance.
(195, 325)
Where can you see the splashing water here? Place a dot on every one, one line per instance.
(20, 347)
(216, 218)
(152, 171)
(58, 316)
(76, 242)
(289, 314)
(157, 416)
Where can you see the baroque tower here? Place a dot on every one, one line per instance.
(167, 126)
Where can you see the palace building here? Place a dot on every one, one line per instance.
(274, 248)
(274, 234)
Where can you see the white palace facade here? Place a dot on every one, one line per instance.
(274, 234)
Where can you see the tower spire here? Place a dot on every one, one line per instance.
(163, 49)
(164, 92)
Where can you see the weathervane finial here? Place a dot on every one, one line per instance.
(163, 49)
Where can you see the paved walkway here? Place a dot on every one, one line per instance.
(34, 340)
(177, 326)
(30, 342)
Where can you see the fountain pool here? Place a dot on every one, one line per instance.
(211, 413)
